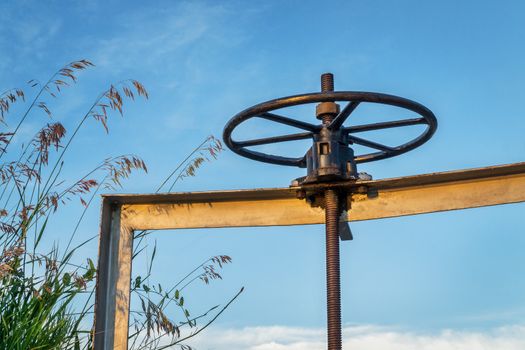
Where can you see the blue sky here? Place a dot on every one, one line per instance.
(204, 61)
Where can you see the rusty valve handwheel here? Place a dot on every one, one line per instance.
(329, 160)
(263, 110)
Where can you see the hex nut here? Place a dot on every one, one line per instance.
(324, 108)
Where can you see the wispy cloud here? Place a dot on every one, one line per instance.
(153, 37)
(359, 337)
(179, 50)
(24, 33)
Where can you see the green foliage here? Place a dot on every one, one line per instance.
(35, 309)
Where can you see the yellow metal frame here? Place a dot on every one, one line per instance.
(367, 200)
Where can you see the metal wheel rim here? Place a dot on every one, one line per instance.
(349, 96)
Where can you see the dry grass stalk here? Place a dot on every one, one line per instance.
(31, 192)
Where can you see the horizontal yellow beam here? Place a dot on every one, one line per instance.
(367, 199)
(445, 196)
(269, 212)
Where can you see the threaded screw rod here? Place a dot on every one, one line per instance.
(333, 273)
(327, 85)
(333, 278)
(327, 82)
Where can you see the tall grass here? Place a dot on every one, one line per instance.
(45, 297)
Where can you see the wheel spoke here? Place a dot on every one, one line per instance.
(370, 144)
(343, 115)
(267, 140)
(288, 121)
(385, 125)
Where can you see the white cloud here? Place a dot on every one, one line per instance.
(358, 337)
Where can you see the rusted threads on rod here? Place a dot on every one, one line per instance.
(333, 279)
(327, 82)
(332, 211)
(326, 111)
